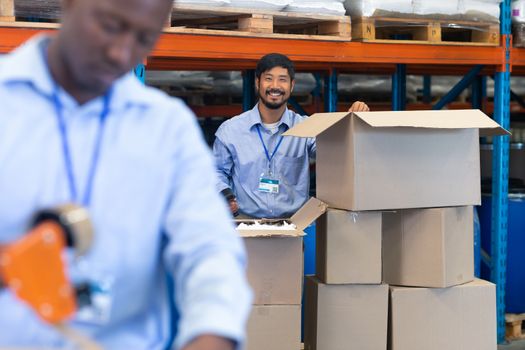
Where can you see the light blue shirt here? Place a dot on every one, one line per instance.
(241, 161)
(154, 207)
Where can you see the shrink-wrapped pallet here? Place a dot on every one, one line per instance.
(374, 8)
(318, 7)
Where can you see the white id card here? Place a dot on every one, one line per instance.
(99, 311)
(269, 185)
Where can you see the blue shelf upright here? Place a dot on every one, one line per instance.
(248, 89)
(330, 91)
(399, 88)
(500, 174)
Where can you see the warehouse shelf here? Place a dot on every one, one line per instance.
(179, 50)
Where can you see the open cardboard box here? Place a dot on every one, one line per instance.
(275, 257)
(395, 160)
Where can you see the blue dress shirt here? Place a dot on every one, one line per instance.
(241, 160)
(154, 207)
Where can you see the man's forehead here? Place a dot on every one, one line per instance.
(280, 71)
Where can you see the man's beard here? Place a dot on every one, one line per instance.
(269, 104)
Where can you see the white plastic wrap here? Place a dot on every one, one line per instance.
(225, 74)
(517, 85)
(181, 80)
(481, 10)
(210, 3)
(304, 83)
(228, 87)
(438, 8)
(273, 5)
(334, 7)
(372, 88)
(518, 11)
(369, 8)
(442, 84)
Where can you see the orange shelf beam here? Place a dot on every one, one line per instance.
(314, 54)
(189, 51)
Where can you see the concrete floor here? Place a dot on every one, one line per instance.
(515, 345)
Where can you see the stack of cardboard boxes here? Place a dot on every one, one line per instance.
(395, 162)
(275, 273)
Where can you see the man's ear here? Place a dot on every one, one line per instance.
(293, 85)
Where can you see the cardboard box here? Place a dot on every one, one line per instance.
(428, 247)
(349, 247)
(275, 258)
(394, 160)
(345, 317)
(275, 327)
(455, 318)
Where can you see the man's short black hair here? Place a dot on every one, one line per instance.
(272, 60)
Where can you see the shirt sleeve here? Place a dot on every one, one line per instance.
(312, 149)
(204, 253)
(223, 164)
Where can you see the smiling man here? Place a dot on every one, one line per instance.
(267, 173)
(77, 126)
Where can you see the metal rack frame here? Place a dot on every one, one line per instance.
(180, 51)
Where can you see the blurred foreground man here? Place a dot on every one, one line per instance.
(77, 127)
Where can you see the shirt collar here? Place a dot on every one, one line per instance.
(255, 117)
(27, 64)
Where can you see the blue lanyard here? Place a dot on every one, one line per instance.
(268, 156)
(68, 162)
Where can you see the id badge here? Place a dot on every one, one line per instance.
(269, 185)
(95, 288)
(98, 311)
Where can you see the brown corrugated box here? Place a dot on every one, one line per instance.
(275, 258)
(274, 327)
(394, 160)
(349, 247)
(428, 247)
(456, 318)
(345, 317)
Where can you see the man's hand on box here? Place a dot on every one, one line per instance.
(210, 342)
(359, 106)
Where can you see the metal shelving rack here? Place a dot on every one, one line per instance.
(180, 51)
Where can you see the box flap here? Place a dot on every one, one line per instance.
(448, 119)
(270, 233)
(267, 228)
(315, 124)
(308, 213)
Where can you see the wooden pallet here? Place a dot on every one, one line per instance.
(424, 31)
(193, 19)
(34, 10)
(252, 22)
(7, 10)
(513, 328)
